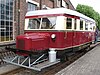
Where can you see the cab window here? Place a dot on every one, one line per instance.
(69, 23)
(42, 23)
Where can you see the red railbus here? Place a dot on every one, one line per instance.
(51, 34)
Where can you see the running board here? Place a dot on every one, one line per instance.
(37, 64)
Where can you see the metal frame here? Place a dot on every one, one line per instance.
(37, 64)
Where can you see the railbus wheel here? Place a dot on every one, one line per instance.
(64, 58)
(87, 48)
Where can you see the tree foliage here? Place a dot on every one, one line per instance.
(90, 12)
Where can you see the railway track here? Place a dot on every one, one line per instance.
(48, 71)
(5, 53)
(51, 70)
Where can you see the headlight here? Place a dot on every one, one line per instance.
(53, 36)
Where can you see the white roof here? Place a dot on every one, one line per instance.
(58, 11)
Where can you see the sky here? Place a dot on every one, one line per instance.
(93, 3)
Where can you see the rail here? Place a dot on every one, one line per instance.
(53, 69)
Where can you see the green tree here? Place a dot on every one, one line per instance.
(90, 12)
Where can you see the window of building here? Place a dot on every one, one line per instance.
(31, 6)
(58, 3)
(6, 20)
(69, 23)
(81, 25)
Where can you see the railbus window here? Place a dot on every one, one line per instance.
(42, 23)
(94, 28)
(34, 23)
(75, 24)
(69, 23)
(81, 24)
(86, 26)
(91, 25)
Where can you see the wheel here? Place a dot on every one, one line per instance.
(87, 48)
(64, 58)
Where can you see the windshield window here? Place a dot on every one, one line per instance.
(42, 23)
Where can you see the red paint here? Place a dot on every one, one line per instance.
(38, 16)
(41, 40)
(71, 16)
(33, 41)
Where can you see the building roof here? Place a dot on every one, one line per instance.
(58, 11)
(70, 4)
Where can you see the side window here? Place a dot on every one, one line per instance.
(91, 25)
(75, 24)
(81, 25)
(86, 26)
(69, 23)
(94, 28)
